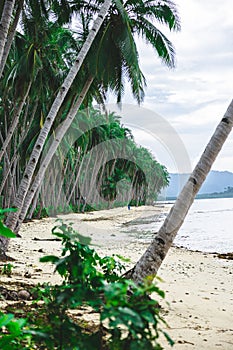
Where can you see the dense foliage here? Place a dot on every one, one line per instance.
(44, 39)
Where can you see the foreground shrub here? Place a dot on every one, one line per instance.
(125, 316)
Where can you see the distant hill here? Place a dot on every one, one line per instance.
(216, 181)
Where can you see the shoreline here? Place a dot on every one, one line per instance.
(198, 286)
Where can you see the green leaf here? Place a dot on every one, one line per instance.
(36, 333)
(59, 234)
(132, 316)
(158, 291)
(50, 258)
(84, 240)
(148, 316)
(169, 339)
(6, 232)
(15, 327)
(122, 258)
(8, 210)
(5, 319)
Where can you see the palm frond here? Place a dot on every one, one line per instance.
(164, 12)
(158, 41)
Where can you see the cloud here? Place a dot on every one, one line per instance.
(195, 95)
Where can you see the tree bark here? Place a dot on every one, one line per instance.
(3, 247)
(151, 260)
(34, 158)
(75, 176)
(10, 36)
(15, 122)
(5, 25)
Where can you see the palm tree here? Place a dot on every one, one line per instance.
(151, 260)
(114, 56)
(5, 22)
(127, 61)
(34, 68)
(11, 34)
(18, 108)
(60, 132)
(29, 171)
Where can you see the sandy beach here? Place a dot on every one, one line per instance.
(198, 286)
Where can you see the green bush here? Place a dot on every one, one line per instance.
(12, 335)
(126, 317)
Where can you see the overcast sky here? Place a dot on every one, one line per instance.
(194, 96)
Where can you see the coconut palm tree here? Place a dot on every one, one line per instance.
(134, 74)
(114, 55)
(132, 71)
(153, 257)
(11, 33)
(14, 123)
(35, 68)
(30, 168)
(61, 130)
(5, 22)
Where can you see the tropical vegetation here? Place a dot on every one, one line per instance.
(227, 193)
(58, 58)
(123, 315)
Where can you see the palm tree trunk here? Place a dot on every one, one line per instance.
(10, 36)
(7, 171)
(71, 179)
(15, 122)
(84, 169)
(60, 184)
(151, 260)
(3, 247)
(11, 187)
(34, 158)
(76, 177)
(94, 173)
(25, 126)
(99, 179)
(34, 204)
(62, 129)
(5, 25)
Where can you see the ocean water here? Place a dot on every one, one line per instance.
(208, 226)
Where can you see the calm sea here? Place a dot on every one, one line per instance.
(208, 227)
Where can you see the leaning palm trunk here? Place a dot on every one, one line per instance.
(10, 36)
(34, 158)
(34, 204)
(151, 260)
(4, 241)
(62, 129)
(76, 177)
(15, 122)
(5, 25)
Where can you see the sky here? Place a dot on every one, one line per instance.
(194, 96)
